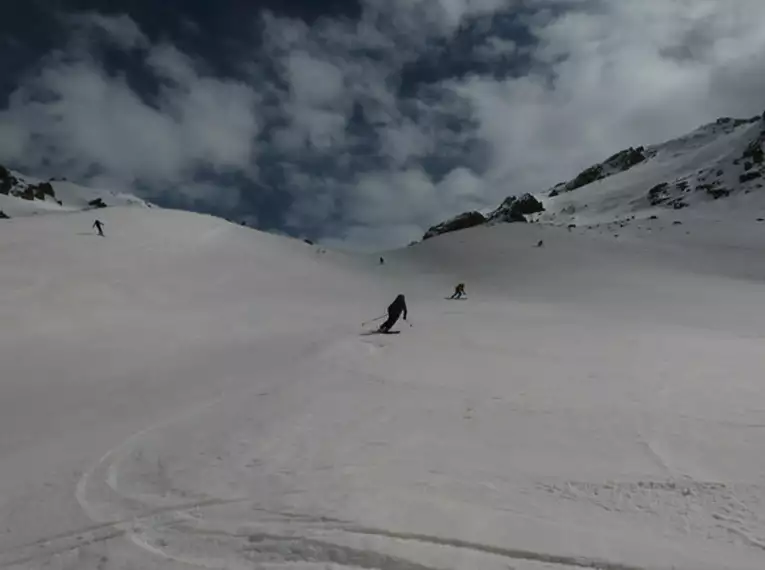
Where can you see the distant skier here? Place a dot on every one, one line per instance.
(540, 243)
(382, 261)
(395, 309)
(459, 291)
(99, 225)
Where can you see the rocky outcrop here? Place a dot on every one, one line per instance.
(35, 191)
(749, 176)
(7, 181)
(12, 186)
(626, 159)
(460, 222)
(514, 209)
(42, 190)
(738, 122)
(619, 162)
(658, 194)
(754, 151)
(714, 189)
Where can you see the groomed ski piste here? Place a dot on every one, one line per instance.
(188, 393)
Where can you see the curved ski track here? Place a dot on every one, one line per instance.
(177, 531)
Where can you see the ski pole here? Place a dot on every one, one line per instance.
(365, 323)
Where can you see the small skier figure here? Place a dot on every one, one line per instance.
(394, 312)
(382, 261)
(540, 243)
(459, 291)
(99, 225)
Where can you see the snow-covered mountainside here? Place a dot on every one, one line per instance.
(722, 159)
(22, 195)
(186, 393)
(717, 161)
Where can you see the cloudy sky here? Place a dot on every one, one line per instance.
(360, 121)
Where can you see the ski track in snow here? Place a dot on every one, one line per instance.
(163, 525)
(156, 523)
(496, 435)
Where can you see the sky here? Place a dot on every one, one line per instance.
(359, 123)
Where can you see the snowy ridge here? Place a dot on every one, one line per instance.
(716, 161)
(22, 195)
(721, 160)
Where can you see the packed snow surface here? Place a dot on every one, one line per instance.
(186, 393)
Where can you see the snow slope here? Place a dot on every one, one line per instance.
(717, 160)
(67, 196)
(187, 393)
(716, 169)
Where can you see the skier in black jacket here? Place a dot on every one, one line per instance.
(394, 312)
(459, 291)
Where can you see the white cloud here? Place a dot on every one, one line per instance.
(432, 17)
(614, 74)
(120, 30)
(497, 47)
(76, 118)
(170, 64)
(14, 138)
(393, 208)
(323, 130)
(405, 141)
(313, 81)
(317, 108)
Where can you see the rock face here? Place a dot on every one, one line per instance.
(723, 178)
(7, 181)
(619, 162)
(514, 209)
(460, 222)
(658, 194)
(12, 186)
(97, 203)
(38, 191)
(749, 176)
